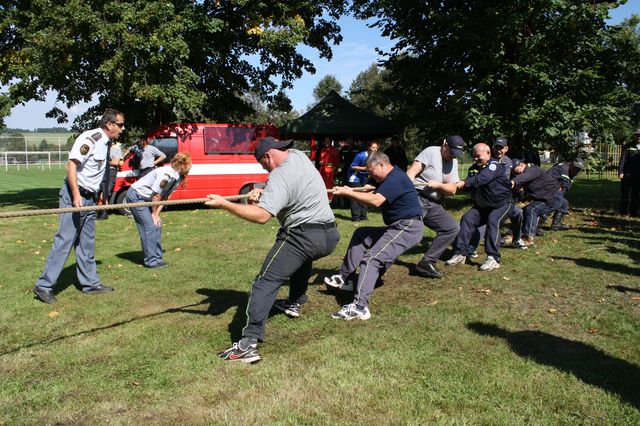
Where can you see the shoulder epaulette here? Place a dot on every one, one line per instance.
(96, 136)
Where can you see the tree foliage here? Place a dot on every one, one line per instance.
(537, 71)
(325, 85)
(159, 61)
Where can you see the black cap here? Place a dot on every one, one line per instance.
(515, 162)
(456, 145)
(270, 143)
(501, 141)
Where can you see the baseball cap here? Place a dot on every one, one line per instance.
(515, 162)
(501, 141)
(268, 143)
(578, 163)
(456, 145)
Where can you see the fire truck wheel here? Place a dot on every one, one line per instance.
(121, 198)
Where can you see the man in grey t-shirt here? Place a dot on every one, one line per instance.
(435, 172)
(296, 195)
(149, 156)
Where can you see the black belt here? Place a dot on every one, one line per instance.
(316, 226)
(86, 193)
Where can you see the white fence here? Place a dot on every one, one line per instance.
(17, 160)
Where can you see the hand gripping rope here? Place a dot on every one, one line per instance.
(128, 205)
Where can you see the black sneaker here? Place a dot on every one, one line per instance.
(291, 309)
(248, 355)
(428, 269)
(44, 295)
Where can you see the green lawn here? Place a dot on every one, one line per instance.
(551, 337)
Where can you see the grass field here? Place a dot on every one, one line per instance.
(551, 337)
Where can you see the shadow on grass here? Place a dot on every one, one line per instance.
(68, 277)
(598, 264)
(624, 289)
(33, 198)
(585, 362)
(219, 302)
(136, 257)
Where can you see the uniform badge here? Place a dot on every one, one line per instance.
(492, 167)
(96, 136)
(163, 183)
(84, 149)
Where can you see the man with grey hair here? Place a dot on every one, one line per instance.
(85, 170)
(435, 171)
(374, 249)
(491, 191)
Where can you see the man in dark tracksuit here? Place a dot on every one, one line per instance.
(629, 173)
(491, 190)
(296, 195)
(374, 249)
(541, 188)
(564, 173)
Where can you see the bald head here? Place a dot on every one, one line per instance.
(481, 154)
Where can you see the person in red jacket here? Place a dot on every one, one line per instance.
(329, 163)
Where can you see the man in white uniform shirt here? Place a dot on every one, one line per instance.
(85, 170)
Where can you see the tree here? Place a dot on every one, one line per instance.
(366, 91)
(159, 61)
(278, 112)
(536, 71)
(43, 146)
(325, 85)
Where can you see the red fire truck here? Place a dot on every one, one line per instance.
(222, 155)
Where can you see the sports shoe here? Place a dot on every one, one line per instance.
(474, 255)
(351, 311)
(247, 355)
(520, 244)
(529, 241)
(428, 269)
(336, 281)
(289, 308)
(455, 259)
(490, 264)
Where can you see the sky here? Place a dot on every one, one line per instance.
(353, 55)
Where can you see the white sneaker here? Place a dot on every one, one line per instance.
(474, 255)
(490, 264)
(519, 244)
(336, 281)
(455, 259)
(351, 311)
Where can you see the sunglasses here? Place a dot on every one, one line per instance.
(121, 125)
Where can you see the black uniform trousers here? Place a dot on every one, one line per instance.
(290, 258)
(630, 195)
(492, 217)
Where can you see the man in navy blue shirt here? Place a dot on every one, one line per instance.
(491, 190)
(374, 249)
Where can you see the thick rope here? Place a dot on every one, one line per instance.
(101, 207)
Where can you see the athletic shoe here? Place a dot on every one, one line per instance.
(474, 255)
(520, 244)
(455, 259)
(428, 269)
(351, 311)
(529, 241)
(291, 309)
(336, 281)
(490, 264)
(247, 355)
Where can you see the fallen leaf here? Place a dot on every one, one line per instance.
(36, 252)
(44, 241)
(135, 383)
(554, 240)
(506, 278)
(635, 298)
(555, 295)
(109, 266)
(552, 310)
(537, 253)
(19, 241)
(592, 330)
(483, 291)
(178, 249)
(433, 302)
(53, 314)
(551, 259)
(117, 277)
(119, 265)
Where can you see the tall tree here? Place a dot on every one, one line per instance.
(159, 61)
(532, 70)
(325, 85)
